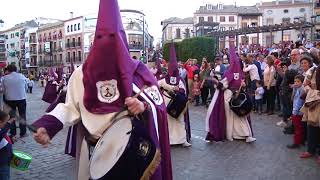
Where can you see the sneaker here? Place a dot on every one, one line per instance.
(186, 144)
(293, 146)
(250, 139)
(282, 124)
(306, 155)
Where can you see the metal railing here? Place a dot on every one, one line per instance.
(136, 46)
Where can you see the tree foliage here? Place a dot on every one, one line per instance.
(194, 48)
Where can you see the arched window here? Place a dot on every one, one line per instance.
(78, 26)
(68, 29)
(75, 27)
(71, 28)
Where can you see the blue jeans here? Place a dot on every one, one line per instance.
(259, 103)
(5, 172)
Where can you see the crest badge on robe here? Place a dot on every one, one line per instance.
(108, 91)
(173, 80)
(154, 94)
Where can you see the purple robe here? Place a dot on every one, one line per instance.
(217, 120)
(163, 172)
(50, 92)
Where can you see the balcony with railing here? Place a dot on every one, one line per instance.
(54, 37)
(135, 46)
(2, 50)
(33, 53)
(60, 35)
(78, 43)
(33, 40)
(33, 62)
(317, 5)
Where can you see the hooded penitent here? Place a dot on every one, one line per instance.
(110, 76)
(106, 92)
(234, 73)
(60, 73)
(156, 59)
(50, 92)
(173, 76)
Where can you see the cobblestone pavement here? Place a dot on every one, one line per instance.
(266, 159)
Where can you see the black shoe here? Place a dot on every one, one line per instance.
(288, 131)
(293, 146)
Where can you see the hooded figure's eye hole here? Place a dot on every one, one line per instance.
(99, 37)
(112, 35)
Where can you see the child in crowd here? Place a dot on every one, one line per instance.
(259, 96)
(5, 145)
(196, 89)
(298, 138)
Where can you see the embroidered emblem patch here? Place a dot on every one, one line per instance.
(236, 76)
(107, 91)
(144, 148)
(173, 80)
(154, 94)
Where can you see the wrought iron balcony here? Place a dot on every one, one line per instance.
(136, 46)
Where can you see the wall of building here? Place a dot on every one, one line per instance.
(275, 14)
(51, 51)
(13, 45)
(170, 32)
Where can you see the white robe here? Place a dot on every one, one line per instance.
(236, 127)
(73, 111)
(177, 131)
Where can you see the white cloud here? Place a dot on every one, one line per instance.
(16, 11)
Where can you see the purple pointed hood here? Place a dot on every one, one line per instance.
(72, 67)
(108, 70)
(173, 77)
(234, 72)
(60, 73)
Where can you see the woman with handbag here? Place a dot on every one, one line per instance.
(221, 121)
(175, 98)
(311, 110)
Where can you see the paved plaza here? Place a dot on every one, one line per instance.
(267, 158)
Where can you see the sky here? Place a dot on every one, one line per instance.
(16, 11)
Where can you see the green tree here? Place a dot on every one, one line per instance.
(195, 48)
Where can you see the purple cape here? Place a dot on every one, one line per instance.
(217, 120)
(50, 93)
(163, 172)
